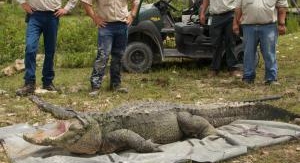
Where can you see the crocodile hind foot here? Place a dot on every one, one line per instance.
(194, 125)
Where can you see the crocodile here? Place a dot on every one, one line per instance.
(143, 126)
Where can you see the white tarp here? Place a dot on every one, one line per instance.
(233, 140)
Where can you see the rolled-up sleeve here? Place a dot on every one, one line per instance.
(238, 3)
(70, 5)
(282, 3)
(90, 2)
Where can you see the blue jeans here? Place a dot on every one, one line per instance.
(266, 35)
(40, 23)
(112, 39)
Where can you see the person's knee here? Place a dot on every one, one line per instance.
(31, 48)
(49, 53)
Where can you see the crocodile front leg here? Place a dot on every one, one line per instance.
(126, 139)
(194, 126)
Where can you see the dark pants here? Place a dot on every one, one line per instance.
(112, 39)
(38, 23)
(221, 32)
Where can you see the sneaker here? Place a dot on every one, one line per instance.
(49, 87)
(94, 92)
(273, 82)
(27, 89)
(119, 89)
(235, 73)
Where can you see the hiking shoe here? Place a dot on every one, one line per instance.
(94, 92)
(49, 87)
(235, 73)
(273, 82)
(27, 89)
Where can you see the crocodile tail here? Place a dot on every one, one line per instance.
(220, 114)
(277, 113)
(56, 111)
(256, 111)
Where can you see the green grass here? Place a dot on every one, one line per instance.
(177, 80)
(77, 37)
(292, 24)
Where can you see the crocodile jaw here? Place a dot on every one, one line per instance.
(48, 136)
(71, 135)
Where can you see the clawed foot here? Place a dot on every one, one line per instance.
(154, 146)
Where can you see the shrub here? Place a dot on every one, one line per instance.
(292, 23)
(76, 34)
(12, 29)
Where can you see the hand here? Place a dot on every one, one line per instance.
(202, 18)
(99, 21)
(236, 28)
(60, 12)
(281, 29)
(129, 20)
(27, 8)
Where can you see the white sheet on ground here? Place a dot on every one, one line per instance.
(233, 140)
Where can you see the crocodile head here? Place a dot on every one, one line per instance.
(72, 135)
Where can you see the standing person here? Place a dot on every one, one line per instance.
(112, 19)
(42, 17)
(261, 21)
(222, 12)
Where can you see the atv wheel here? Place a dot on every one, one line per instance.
(239, 54)
(138, 57)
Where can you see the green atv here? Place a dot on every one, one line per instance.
(151, 28)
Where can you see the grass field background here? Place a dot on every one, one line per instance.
(175, 80)
(180, 80)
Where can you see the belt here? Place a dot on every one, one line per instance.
(261, 24)
(116, 22)
(224, 13)
(47, 11)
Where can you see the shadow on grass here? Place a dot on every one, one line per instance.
(183, 63)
